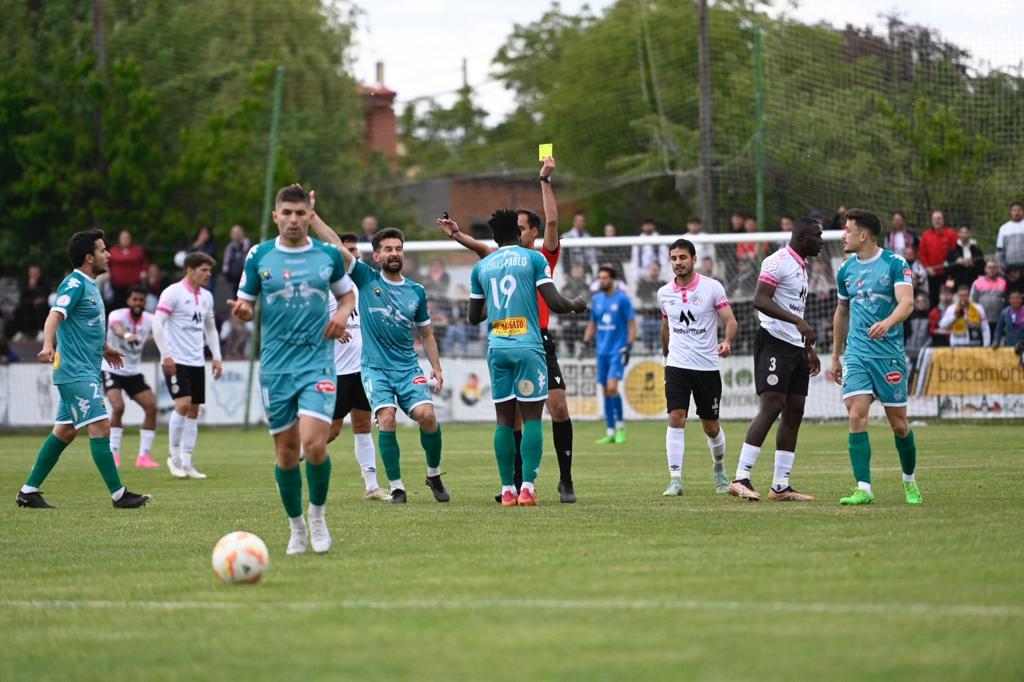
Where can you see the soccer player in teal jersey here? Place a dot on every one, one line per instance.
(391, 308)
(77, 327)
(503, 289)
(876, 294)
(293, 275)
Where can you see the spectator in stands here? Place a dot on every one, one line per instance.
(234, 255)
(1010, 327)
(899, 237)
(33, 305)
(936, 244)
(437, 280)
(989, 291)
(709, 267)
(368, 227)
(460, 332)
(650, 314)
(7, 356)
(819, 217)
(576, 283)
(819, 299)
(966, 261)
(940, 336)
(203, 243)
(235, 338)
(694, 227)
(786, 223)
(614, 255)
(745, 281)
(838, 221)
(965, 321)
(154, 282)
(128, 262)
(643, 255)
(736, 219)
(918, 271)
(1014, 280)
(747, 249)
(915, 330)
(585, 256)
(1010, 240)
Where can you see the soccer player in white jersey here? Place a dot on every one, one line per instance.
(351, 400)
(784, 362)
(128, 329)
(184, 318)
(692, 308)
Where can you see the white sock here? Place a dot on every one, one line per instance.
(115, 438)
(783, 465)
(504, 489)
(433, 471)
(611, 432)
(748, 458)
(528, 486)
(717, 447)
(116, 495)
(397, 484)
(675, 448)
(619, 425)
(29, 489)
(188, 441)
(174, 428)
(866, 487)
(297, 522)
(908, 478)
(366, 455)
(316, 511)
(146, 441)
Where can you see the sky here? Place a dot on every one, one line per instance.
(423, 42)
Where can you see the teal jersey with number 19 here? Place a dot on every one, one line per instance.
(81, 335)
(508, 279)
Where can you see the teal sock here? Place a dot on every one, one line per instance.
(387, 441)
(431, 443)
(289, 485)
(319, 478)
(860, 456)
(533, 448)
(505, 453)
(103, 458)
(907, 450)
(47, 458)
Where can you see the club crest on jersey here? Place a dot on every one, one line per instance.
(884, 280)
(894, 377)
(526, 387)
(266, 276)
(325, 386)
(63, 300)
(92, 301)
(325, 271)
(378, 292)
(772, 265)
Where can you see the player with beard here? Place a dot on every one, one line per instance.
(391, 307)
(128, 329)
(784, 362)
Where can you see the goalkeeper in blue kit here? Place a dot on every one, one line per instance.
(876, 294)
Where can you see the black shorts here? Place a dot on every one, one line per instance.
(555, 378)
(188, 382)
(706, 386)
(780, 366)
(132, 384)
(350, 396)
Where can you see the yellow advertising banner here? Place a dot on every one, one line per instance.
(974, 371)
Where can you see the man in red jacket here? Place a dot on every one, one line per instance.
(936, 243)
(128, 262)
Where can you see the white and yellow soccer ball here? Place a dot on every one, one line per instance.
(240, 557)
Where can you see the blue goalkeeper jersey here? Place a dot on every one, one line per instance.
(611, 314)
(870, 287)
(80, 337)
(294, 285)
(389, 312)
(508, 279)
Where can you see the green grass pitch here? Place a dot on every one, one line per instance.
(624, 585)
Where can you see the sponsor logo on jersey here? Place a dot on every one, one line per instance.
(63, 300)
(73, 284)
(908, 275)
(325, 386)
(772, 379)
(510, 326)
(894, 377)
(419, 381)
(287, 274)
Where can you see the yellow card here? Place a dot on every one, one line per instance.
(546, 150)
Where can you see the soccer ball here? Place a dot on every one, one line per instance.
(240, 557)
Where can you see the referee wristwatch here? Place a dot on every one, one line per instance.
(545, 178)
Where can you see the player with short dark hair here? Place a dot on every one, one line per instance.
(503, 289)
(613, 322)
(128, 329)
(784, 362)
(692, 308)
(294, 276)
(876, 292)
(73, 342)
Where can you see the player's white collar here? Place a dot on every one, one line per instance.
(292, 249)
(394, 284)
(91, 279)
(872, 259)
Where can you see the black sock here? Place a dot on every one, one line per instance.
(517, 474)
(562, 432)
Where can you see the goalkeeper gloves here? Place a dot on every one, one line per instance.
(624, 353)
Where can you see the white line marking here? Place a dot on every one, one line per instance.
(965, 610)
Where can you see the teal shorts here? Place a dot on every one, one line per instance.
(886, 379)
(309, 393)
(81, 403)
(520, 373)
(399, 388)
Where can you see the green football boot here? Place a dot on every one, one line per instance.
(620, 436)
(913, 493)
(607, 440)
(858, 496)
(675, 488)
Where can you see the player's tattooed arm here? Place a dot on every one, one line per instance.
(840, 328)
(765, 303)
(547, 194)
(728, 319)
(451, 229)
(559, 304)
(54, 319)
